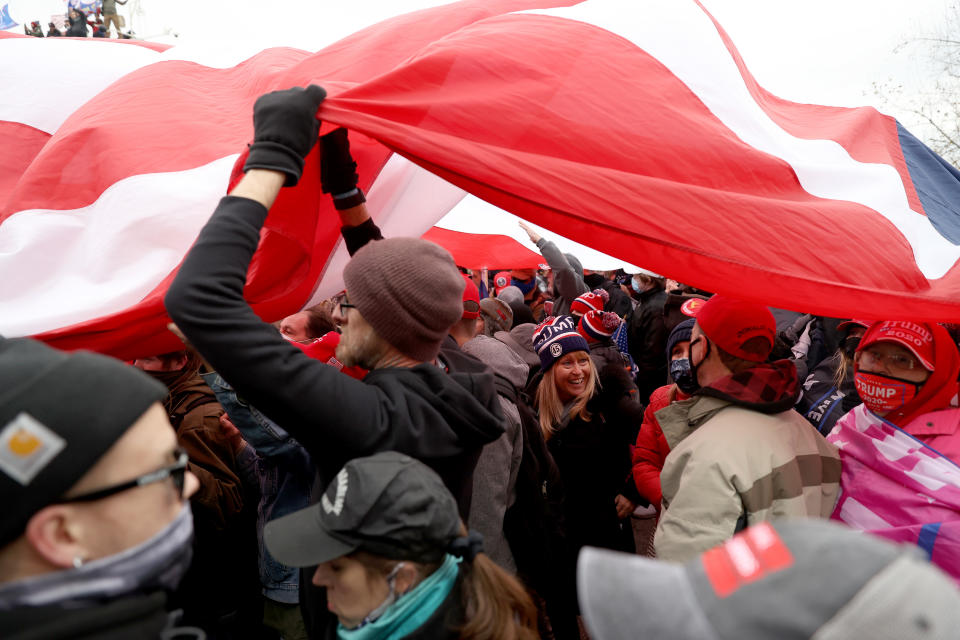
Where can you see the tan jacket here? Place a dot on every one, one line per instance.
(727, 462)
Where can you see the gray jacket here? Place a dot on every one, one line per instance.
(567, 276)
(495, 476)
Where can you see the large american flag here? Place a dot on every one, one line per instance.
(637, 132)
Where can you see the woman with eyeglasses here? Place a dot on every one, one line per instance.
(395, 560)
(900, 449)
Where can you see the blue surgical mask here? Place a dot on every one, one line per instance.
(635, 286)
(525, 287)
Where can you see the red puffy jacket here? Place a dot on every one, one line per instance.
(652, 448)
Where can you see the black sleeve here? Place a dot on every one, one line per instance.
(356, 237)
(297, 392)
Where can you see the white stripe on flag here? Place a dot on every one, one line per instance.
(65, 74)
(701, 61)
(90, 262)
(404, 200)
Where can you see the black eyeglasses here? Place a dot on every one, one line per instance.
(177, 471)
(344, 303)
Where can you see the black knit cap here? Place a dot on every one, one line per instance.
(59, 413)
(681, 333)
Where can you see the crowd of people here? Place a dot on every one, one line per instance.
(434, 453)
(76, 23)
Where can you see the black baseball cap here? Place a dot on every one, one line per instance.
(388, 504)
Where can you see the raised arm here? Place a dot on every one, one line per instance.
(567, 283)
(206, 298)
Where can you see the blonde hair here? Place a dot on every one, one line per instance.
(550, 407)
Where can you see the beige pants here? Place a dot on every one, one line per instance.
(112, 18)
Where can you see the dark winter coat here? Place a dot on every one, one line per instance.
(143, 617)
(822, 402)
(647, 341)
(222, 580)
(77, 28)
(595, 462)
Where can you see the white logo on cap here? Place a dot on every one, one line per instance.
(556, 349)
(337, 505)
(26, 447)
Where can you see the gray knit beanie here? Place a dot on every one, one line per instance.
(511, 295)
(497, 316)
(410, 292)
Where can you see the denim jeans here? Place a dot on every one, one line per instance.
(285, 473)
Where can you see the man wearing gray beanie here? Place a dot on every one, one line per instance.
(96, 526)
(402, 296)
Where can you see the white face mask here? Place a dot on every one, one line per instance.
(388, 601)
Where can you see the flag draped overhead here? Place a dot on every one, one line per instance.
(637, 131)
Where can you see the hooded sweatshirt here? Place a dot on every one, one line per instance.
(442, 419)
(567, 277)
(930, 416)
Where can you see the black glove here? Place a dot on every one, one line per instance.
(285, 128)
(338, 170)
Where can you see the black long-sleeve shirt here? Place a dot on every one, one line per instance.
(441, 419)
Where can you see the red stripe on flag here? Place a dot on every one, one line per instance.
(477, 250)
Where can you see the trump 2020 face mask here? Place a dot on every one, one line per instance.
(882, 394)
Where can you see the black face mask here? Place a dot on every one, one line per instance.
(850, 344)
(168, 378)
(694, 367)
(682, 374)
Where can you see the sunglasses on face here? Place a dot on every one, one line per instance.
(177, 471)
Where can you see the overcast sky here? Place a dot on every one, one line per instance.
(818, 51)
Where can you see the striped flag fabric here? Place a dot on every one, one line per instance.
(895, 487)
(638, 132)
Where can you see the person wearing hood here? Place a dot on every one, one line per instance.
(514, 297)
(900, 448)
(567, 272)
(829, 392)
(223, 578)
(97, 526)
(495, 315)
(495, 476)
(739, 453)
(402, 296)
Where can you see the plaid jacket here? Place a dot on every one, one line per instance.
(732, 465)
